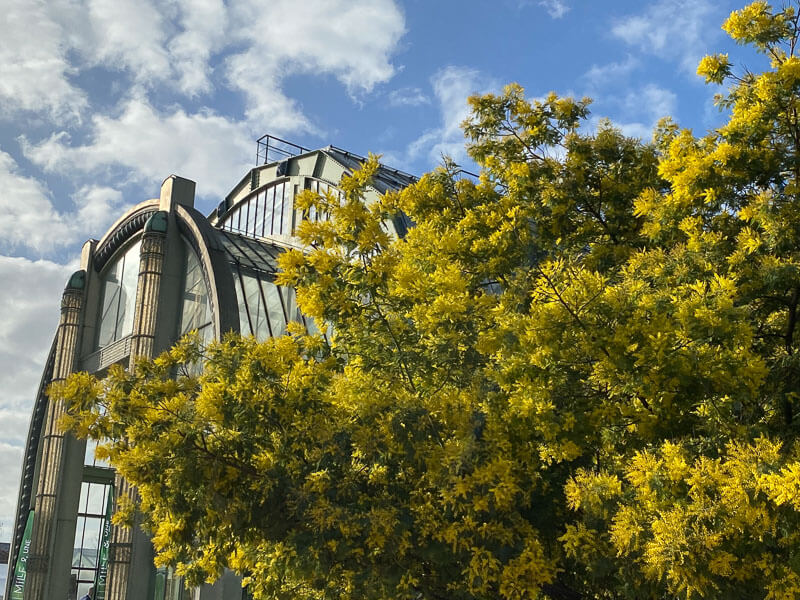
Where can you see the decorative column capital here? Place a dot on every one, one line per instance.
(157, 223)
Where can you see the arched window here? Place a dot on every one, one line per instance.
(196, 308)
(269, 211)
(322, 188)
(119, 297)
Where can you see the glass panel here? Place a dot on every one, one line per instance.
(88, 532)
(258, 211)
(108, 315)
(127, 301)
(91, 541)
(89, 457)
(261, 213)
(323, 188)
(196, 309)
(76, 550)
(269, 203)
(96, 495)
(268, 206)
(161, 584)
(288, 212)
(168, 585)
(280, 207)
(206, 333)
(251, 215)
(244, 322)
(274, 201)
(119, 297)
(175, 587)
(274, 308)
(242, 217)
(311, 326)
(258, 316)
(291, 304)
(84, 496)
(268, 212)
(83, 587)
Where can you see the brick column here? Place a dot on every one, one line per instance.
(43, 577)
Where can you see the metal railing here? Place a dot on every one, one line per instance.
(270, 149)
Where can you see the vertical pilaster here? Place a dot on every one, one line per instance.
(44, 576)
(151, 267)
(126, 548)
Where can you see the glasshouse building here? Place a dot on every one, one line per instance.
(162, 270)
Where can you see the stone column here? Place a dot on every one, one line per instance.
(44, 578)
(127, 544)
(151, 266)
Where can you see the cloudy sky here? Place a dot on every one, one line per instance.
(100, 100)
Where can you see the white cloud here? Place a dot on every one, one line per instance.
(352, 40)
(167, 42)
(267, 106)
(46, 42)
(204, 23)
(97, 207)
(204, 147)
(14, 422)
(674, 29)
(652, 101)
(31, 293)
(636, 129)
(451, 87)
(642, 107)
(10, 467)
(172, 43)
(407, 96)
(29, 217)
(34, 69)
(555, 8)
(130, 34)
(31, 221)
(599, 75)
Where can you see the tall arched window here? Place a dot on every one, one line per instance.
(269, 211)
(119, 297)
(196, 309)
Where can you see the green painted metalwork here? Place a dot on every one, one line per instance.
(105, 541)
(21, 568)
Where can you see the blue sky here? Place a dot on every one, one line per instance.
(100, 100)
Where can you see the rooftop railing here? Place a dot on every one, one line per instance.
(273, 149)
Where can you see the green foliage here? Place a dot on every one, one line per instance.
(576, 377)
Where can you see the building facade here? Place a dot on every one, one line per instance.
(162, 270)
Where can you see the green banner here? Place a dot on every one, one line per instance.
(102, 559)
(21, 568)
